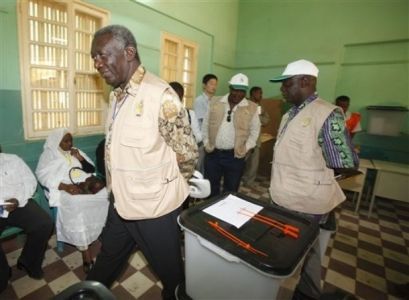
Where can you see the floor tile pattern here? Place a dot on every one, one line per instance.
(365, 258)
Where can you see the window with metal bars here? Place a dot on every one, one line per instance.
(179, 63)
(60, 87)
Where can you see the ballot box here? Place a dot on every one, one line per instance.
(237, 247)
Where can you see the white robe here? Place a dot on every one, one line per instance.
(80, 218)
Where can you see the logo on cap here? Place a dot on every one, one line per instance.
(239, 82)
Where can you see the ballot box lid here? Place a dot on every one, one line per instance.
(272, 251)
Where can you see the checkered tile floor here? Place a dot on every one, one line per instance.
(364, 258)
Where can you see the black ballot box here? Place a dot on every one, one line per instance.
(223, 261)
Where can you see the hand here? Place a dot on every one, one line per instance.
(12, 206)
(76, 153)
(73, 189)
(70, 188)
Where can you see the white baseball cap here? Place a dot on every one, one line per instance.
(298, 67)
(239, 82)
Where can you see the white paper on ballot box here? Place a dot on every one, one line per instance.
(229, 209)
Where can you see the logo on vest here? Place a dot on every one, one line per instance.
(306, 122)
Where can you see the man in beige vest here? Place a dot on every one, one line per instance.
(230, 130)
(150, 153)
(312, 147)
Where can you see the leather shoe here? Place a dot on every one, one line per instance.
(34, 275)
(87, 266)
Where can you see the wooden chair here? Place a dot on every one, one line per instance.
(356, 184)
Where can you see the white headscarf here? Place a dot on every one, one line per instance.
(54, 165)
(54, 139)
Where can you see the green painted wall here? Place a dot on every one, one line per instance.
(218, 18)
(147, 23)
(360, 47)
(9, 72)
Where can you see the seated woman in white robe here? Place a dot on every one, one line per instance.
(80, 217)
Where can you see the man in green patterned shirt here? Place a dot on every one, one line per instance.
(312, 148)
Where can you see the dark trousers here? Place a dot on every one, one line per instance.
(158, 239)
(222, 164)
(38, 226)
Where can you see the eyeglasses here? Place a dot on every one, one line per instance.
(229, 116)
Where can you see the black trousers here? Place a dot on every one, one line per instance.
(222, 164)
(38, 226)
(158, 239)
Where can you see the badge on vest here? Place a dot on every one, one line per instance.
(139, 107)
(306, 122)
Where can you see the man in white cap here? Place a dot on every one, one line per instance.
(312, 147)
(230, 129)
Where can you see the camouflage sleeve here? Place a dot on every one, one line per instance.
(175, 128)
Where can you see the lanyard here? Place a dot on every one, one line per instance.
(116, 110)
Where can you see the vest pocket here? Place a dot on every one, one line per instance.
(305, 183)
(145, 185)
(137, 136)
(301, 140)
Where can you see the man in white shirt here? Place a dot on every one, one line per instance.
(17, 186)
(230, 130)
(200, 107)
(201, 104)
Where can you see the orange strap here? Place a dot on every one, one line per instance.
(353, 121)
(235, 239)
(285, 228)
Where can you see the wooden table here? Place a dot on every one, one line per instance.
(392, 182)
(356, 184)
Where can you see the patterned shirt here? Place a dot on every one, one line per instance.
(174, 124)
(175, 128)
(333, 138)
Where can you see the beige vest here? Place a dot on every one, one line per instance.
(145, 176)
(242, 120)
(300, 179)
